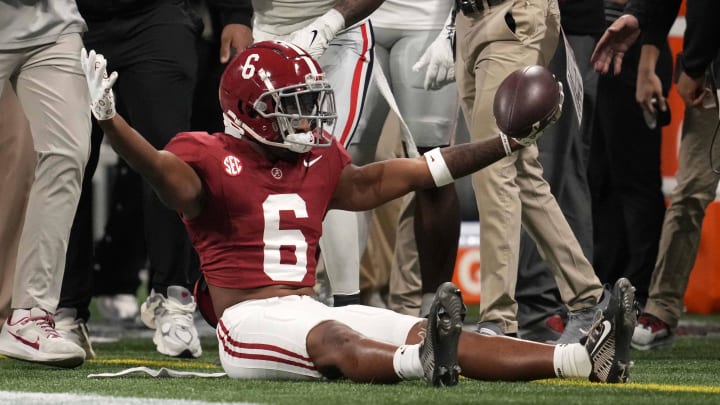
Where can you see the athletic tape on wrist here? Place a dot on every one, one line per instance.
(438, 168)
(506, 144)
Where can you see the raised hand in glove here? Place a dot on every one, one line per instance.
(102, 100)
(316, 37)
(438, 58)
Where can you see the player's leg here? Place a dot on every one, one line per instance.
(431, 116)
(605, 357)
(297, 337)
(377, 345)
(348, 65)
(337, 350)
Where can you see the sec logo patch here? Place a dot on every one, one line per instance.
(233, 165)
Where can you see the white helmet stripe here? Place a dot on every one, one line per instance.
(295, 47)
(311, 65)
(304, 57)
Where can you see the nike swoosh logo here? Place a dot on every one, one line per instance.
(314, 32)
(35, 345)
(606, 331)
(312, 162)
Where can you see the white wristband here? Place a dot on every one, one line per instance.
(438, 168)
(506, 144)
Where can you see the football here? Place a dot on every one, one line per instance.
(527, 101)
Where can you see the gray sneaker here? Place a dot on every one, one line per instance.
(489, 329)
(173, 321)
(73, 329)
(579, 322)
(438, 352)
(608, 343)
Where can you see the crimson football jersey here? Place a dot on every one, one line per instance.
(261, 222)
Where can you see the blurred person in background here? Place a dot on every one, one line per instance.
(426, 240)
(697, 178)
(40, 43)
(564, 157)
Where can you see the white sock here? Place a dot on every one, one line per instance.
(571, 360)
(426, 303)
(406, 362)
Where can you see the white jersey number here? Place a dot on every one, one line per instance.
(275, 238)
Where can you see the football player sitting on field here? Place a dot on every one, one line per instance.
(253, 199)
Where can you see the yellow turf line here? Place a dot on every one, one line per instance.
(158, 363)
(701, 389)
(194, 364)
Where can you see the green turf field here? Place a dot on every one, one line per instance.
(687, 373)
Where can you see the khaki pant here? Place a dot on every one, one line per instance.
(680, 238)
(17, 168)
(52, 90)
(513, 191)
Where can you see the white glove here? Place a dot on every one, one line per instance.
(102, 101)
(316, 37)
(438, 58)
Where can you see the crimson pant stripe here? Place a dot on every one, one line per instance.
(229, 345)
(355, 102)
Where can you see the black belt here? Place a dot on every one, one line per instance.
(475, 6)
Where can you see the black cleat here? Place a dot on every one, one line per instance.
(438, 352)
(608, 342)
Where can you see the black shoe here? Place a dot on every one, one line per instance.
(608, 342)
(438, 352)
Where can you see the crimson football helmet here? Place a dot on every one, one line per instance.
(276, 93)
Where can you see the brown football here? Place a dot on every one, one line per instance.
(527, 96)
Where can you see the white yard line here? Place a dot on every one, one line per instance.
(32, 398)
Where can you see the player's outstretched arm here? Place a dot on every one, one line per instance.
(526, 102)
(366, 187)
(175, 182)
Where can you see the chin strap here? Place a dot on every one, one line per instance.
(232, 126)
(237, 129)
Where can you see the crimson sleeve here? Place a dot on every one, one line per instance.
(187, 146)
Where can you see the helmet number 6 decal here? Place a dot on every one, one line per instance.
(248, 69)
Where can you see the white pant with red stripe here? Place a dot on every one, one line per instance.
(266, 339)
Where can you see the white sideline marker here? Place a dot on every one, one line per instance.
(37, 398)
